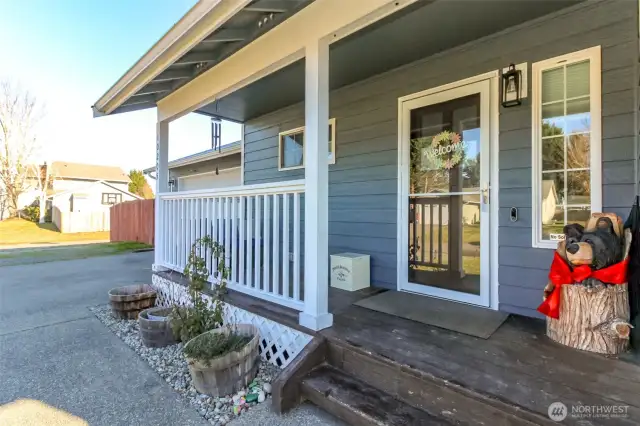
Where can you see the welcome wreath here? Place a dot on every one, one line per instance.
(442, 144)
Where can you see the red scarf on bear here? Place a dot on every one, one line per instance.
(561, 274)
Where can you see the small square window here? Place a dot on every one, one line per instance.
(291, 147)
(111, 198)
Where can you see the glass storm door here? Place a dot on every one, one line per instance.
(445, 180)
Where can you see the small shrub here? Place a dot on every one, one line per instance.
(32, 213)
(212, 345)
(188, 322)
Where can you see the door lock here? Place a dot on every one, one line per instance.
(485, 193)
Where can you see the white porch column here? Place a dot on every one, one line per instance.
(162, 184)
(316, 314)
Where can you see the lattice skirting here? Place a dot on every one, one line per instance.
(279, 344)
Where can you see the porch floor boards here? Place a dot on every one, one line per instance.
(518, 365)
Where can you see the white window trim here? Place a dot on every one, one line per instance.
(593, 54)
(332, 122)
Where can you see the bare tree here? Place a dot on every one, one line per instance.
(19, 115)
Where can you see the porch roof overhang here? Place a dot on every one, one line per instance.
(248, 78)
(208, 33)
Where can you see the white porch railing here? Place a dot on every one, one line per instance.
(259, 227)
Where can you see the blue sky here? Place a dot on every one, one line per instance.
(69, 52)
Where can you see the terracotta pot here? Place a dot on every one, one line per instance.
(156, 333)
(127, 302)
(230, 372)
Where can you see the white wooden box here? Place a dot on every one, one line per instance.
(350, 271)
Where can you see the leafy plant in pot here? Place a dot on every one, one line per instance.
(221, 358)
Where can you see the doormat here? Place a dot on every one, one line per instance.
(458, 317)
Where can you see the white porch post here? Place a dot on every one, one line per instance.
(316, 314)
(162, 184)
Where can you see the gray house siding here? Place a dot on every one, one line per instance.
(363, 182)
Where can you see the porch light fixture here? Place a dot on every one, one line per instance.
(511, 82)
(172, 182)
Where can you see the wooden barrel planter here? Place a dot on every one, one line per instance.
(230, 372)
(156, 333)
(127, 302)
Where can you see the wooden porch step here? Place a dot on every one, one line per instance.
(358, 403)
(425, 392)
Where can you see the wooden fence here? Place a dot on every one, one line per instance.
(133, 221)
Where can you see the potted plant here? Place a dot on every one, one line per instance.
(221, 358)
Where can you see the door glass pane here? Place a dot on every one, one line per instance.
(445, 147)
(444, 229)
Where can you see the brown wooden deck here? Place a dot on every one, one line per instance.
(518, 365)
(509, 379)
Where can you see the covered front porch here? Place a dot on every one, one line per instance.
(280, 226)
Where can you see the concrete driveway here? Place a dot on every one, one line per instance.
(53, 350)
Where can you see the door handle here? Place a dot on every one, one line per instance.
(485, 193)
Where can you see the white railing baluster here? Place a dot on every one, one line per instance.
(267, 244)
(192, 222)
(249, 242)
(257, 263)
(214, 232)
(196, 226)
(184, 235)
(275, 287)
(285, 246)
(296, 246)
(227, 232)
(234, 240)
(172, 233)
(241, 240)
(253, 224)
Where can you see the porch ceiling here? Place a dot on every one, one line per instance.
(421, 30)
(252, 21)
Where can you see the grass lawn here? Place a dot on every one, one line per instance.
(50, 254)
(20, 231)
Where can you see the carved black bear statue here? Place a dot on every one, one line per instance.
(598, 248)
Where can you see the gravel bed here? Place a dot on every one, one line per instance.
(171, 365)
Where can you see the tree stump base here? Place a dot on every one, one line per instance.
(593, 319)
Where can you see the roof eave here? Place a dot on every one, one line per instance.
(193, 27)
(192, 159)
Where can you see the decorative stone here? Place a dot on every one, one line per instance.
(170, 363)
(252, 397)
(267, 387)
(261, 397)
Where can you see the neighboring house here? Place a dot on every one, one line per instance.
(334, 97)
(549, 200)
(214, 168)
(77, 187)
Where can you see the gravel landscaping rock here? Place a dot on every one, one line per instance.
(171, 365)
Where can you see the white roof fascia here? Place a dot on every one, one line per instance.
(200, 21)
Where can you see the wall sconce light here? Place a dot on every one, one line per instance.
(511, 83)
(172, 182)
